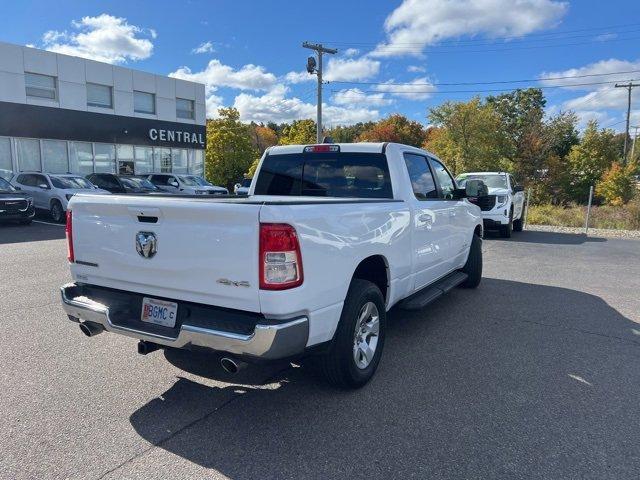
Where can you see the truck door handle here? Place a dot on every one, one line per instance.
(424, 220)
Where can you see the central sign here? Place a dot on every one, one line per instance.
(165, 135)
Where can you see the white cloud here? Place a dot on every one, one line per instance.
(214, 102)
(608, 67)
(418, 23)
(417, 89)
(204, 47)
(216, 74)
(104, 38)
(299, 77)
(351, 52)
(606, 37)
(339, 69)
(416, 69)
(275, 107)
(356, 97)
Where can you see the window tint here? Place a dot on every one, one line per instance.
(40, 180)
(160, 179)
(354, 175)
(447, 185)
(421, 178)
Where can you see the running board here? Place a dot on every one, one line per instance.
(434, 291)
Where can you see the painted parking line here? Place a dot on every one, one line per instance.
(49, 223)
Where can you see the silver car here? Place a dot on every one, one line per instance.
(52, 192)
(184, 184)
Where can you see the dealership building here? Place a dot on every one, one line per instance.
(60, 113)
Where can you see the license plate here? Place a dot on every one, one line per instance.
(159, 312)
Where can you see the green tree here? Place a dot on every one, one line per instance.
(617, 185)
(252, 168)
(395, 128)
(468, 136)
(589, 159)
(300, 132)
(349, 133)
(229, 150)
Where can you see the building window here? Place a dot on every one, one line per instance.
(81, 157)
(144, 160)
(99, 95)
(125, 160)
(28, 154)
(162, 157)
(6, 169)
(144, 102)
(54, 156)
(179, 160)
(105, 159)
(197, 163)
(40, 86)
(184, 108)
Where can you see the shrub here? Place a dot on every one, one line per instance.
(617, 185)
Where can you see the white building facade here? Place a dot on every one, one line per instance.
(64, 114)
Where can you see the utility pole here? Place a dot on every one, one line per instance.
(311, 68)
(635, 137)
(628, 86)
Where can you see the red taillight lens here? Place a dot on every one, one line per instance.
(280, 258)
(69, 233)
(321, 148)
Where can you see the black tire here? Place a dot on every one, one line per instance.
(517, 224)
(56, 211)
(506, 230)
(338, 365)
(473, 267)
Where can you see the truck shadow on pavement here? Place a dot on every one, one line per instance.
(512, 380)
(36, 232)
(550, 238)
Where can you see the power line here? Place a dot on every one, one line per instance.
(629, 86)
(496, 82)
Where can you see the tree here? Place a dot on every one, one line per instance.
(300, 132)
(617, 185)
(589, 159)
(349, 133)
(229, 150)
(395, 128)
(262, 137)
(468, 136)
(252, 168)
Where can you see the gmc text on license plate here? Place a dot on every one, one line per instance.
(159, 312)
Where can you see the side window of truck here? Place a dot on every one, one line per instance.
(445, 180)
(424, 187)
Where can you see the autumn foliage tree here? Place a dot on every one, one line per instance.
(300, 132)
(395, 128)
(617, 185)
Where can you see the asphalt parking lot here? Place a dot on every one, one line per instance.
(536, 374)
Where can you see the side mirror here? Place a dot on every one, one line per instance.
(518, 188)
(43, 186)
(173, 184)
(476, 188)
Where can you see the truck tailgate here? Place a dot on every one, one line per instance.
(207, 250)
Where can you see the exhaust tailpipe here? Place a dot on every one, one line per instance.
(91, 329)
(145, 348)
(231, 365)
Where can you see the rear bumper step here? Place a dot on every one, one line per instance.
(269, 340)
(432, 292)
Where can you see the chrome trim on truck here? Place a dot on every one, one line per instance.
(267, 341)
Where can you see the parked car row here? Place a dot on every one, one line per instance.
(30, 191)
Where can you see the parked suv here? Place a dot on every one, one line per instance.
(15, 205)
(123, 183)
(52, 192)
(503, 208)
(185, 184)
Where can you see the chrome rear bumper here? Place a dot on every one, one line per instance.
(268, 341)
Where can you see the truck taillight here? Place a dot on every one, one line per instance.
(69, 233)
(280, 258)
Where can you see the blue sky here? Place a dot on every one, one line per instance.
(249, 52)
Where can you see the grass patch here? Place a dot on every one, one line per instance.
(626, 217)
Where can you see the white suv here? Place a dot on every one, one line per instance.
(503, 208)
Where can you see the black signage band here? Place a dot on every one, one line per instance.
(34, 121)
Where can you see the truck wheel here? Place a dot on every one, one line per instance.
(57, 213)
(505, 230)
(356, 349)
(517, 224)
(473, 267)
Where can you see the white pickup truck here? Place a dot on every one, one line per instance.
(330, 238)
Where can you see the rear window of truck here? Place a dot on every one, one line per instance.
(335, 174)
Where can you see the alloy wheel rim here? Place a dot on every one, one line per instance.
(366, 335)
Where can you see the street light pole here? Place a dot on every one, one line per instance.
(319, 49)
